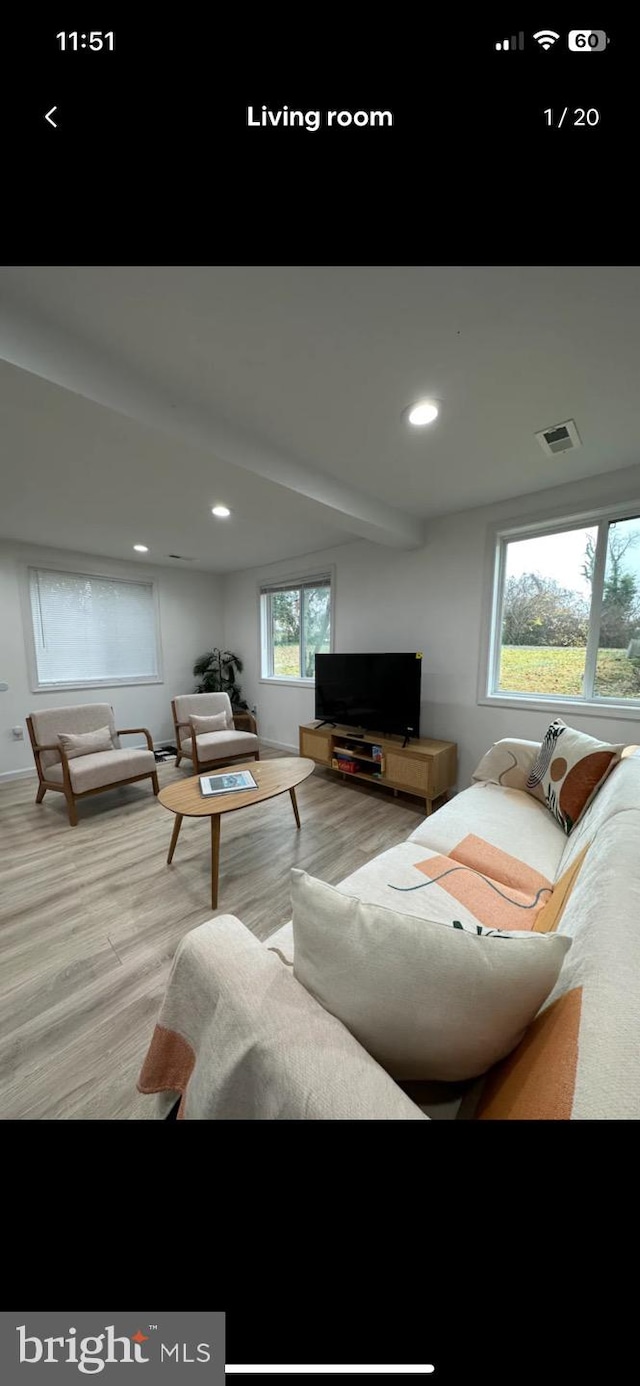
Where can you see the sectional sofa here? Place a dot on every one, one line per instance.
(240, 1037)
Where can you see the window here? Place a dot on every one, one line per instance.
(92, 630)
(567, 613)
(296, 625)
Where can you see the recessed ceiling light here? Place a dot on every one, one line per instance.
(141, 548)
(221, 511)
(424, 412)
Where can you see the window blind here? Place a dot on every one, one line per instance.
(90, 629)
(296, 584)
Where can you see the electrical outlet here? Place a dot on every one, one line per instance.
(17, 733)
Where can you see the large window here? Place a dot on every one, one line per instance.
(92, 630)
(296, 626)
(566, 614)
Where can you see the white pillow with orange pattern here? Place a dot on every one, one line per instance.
(569, 770)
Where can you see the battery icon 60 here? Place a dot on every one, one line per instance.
(587, 40)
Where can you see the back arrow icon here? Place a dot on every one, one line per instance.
(49, 115)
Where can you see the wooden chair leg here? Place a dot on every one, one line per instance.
(73, 812)
(41, 793)
(154, 781)
(257, 755)
(178, 759)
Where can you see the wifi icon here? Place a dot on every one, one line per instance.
(546, 38)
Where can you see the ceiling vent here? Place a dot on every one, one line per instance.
(181, 556)
(562, 437)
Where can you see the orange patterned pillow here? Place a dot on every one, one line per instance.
(569, 770)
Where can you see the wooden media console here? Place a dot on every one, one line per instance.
(424, 768)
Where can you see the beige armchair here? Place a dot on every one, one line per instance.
(238, 741)
(77, 776)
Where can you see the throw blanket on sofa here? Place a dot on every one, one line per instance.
(239, 1038)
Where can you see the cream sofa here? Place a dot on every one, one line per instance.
(251, 1042)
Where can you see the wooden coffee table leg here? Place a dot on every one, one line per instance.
(215, 857)
(295, 805)
(174, 836)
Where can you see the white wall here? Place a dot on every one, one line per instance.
(429, 599)
(190, 624)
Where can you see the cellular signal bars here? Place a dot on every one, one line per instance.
(512, 43)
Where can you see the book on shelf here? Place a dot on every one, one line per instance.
(229, 783)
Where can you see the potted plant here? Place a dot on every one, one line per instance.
(217, 672)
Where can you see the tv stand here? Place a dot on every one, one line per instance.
(426, 768)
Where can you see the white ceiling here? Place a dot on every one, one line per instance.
(78, 476)
(136, 397)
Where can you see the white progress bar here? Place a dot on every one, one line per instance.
(317, 1368)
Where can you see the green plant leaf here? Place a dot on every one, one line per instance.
(202, 664)
(216, 672)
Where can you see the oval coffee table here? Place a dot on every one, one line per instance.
(186, 799)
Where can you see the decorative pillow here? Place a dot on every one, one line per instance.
(507, 762)
(424, 999)
(569, 770)
(86, 743)
(217, 723)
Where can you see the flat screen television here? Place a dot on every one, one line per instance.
(373, 692)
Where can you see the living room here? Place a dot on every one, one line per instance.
(137, 402)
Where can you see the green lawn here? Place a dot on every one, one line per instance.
(286, 661)
(529, 669)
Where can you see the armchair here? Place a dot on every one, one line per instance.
(238, 741)
(78, 776)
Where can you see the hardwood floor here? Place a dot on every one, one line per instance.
(90, 918)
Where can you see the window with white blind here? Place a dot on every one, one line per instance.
(295, 627)
(90, 630)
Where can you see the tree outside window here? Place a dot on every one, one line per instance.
(570, 613)
(296, 623)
